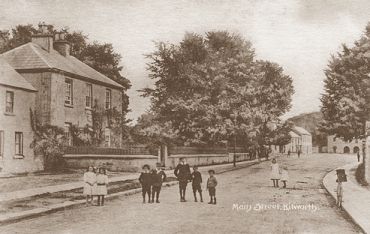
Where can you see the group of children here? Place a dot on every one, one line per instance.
(95, 184)
(278, 173)
(151, 182)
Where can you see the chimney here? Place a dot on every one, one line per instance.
(43, 37)
(61, 44)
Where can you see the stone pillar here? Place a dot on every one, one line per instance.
(165, 155)
(159, 154)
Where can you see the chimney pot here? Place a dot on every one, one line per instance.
(43, 28)
(57, 37)
(61, 45)
(62, 36)
(43, 38)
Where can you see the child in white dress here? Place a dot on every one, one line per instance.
(89, 184)
(275, 173)
(101, 186)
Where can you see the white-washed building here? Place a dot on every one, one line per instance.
(17, 96)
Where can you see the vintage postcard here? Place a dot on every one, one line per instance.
(185, 116)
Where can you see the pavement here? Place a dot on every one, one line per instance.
(17, 216)
(356, 199)
(247, 203)
(19, 194)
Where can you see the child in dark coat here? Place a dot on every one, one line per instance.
(158, 177)
(211, 186)
(183, 174)
(146, 181)
(196, 183)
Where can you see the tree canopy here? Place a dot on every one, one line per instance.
(208, 88)
(345, 103)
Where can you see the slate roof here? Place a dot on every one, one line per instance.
(9, 77)
(301, 131)
(293, 134)
(33, 56)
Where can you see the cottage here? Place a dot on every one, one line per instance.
(301, 140)
(17, 97)
(68, 89)
(304, 142)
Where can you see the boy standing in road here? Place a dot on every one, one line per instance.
(158, 177)
(183, 174)
(211, 186)
(146, 181)
(196, 183)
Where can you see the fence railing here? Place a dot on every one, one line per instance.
(197, 150)
(129, 150)
(237, 150)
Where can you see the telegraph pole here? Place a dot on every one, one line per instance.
(366, 145)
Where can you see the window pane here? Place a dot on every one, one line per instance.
(68, 91)
(19, 143)
(9, 102)
(107, 137)
(1, 143)
(89, 95)
(108, 99)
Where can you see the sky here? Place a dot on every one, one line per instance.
(300, 35)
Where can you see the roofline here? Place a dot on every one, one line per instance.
(16, 87)
(301, 133)
(55, 70)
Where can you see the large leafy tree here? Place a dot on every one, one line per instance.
(345, 103)
(210, 88)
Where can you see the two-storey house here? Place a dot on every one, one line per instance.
(67, 87)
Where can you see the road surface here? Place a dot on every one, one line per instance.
(247, 203)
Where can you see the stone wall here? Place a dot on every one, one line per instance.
(130, 163)
(198, 159)
(205, 159)
(18, 121)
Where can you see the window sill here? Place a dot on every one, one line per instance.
(18, 156)
(88, 108)
(68, 105)
(9, 114)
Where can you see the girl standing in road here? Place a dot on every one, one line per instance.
(275, 173)
(90, 181)
(101, 186)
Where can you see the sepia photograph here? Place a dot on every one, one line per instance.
(184, 116)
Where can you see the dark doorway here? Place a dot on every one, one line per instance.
(346, 150)
(356, 149)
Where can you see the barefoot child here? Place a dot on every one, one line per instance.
(275, 173)
(211, 186)
(284, 176)
(101, 186)
(90, 180)
(146, 181)
(196, 183)
(158, 176)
